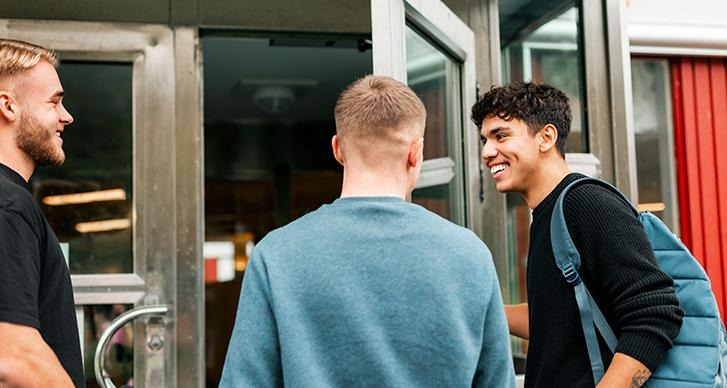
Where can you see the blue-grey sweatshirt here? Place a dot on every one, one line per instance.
(370, 291)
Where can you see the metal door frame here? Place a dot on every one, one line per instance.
(168, 206)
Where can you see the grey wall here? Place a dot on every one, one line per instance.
(143, 11)
(279, 15)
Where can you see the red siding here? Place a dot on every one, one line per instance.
(700, 111)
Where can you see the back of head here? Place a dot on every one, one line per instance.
(18, 56)
(376, 116)
(534, 104)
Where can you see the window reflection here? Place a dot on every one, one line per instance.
(433, 76)
(654, 138)
(120, 355)
(88, 200)
(551, 54)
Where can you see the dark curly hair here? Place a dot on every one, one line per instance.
(534, 104)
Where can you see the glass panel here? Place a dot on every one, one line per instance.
(436, 199)
(268, 159)
(434, 77)
(426, 72)
(120, 354)
(654, 140)
(88, 200)
(518, 238)
(547, 51)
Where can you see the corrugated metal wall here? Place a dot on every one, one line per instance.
(700, 123)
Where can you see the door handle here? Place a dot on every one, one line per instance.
(102, 375)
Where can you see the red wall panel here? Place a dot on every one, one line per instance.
(718, 77)
(700, 113)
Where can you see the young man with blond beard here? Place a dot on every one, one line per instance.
(524, 127)
(371, 290)
(39, 344)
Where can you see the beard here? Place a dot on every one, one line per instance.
(37, 142)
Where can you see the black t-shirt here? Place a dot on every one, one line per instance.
(619, 269)
(35, 285)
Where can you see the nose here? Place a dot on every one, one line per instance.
(489, 151)
(66, 117)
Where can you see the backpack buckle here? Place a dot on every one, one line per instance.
(571, 275)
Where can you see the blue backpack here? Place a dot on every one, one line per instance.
(699, 355)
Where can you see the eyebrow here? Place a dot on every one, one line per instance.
(58, 93)
(495, 130)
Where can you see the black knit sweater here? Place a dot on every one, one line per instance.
(618, 268)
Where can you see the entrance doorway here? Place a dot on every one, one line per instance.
(268, 122)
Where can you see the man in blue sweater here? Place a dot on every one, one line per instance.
(371, 290)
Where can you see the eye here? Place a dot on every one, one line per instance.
(500, 136)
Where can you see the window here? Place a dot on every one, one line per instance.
(654, 139)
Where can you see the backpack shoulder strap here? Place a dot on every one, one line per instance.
(566, 255)
(568, 261)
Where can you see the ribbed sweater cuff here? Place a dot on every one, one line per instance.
(649, 350)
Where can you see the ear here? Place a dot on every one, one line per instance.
(8, 106)
(548, 135)
(416, 153)
(336, 146)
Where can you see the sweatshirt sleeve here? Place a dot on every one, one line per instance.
(495, 366)
(619, 267)
(253, 356)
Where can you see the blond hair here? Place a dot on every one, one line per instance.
(17, 56)
(378, 107)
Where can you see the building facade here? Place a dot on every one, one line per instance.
(201, 125)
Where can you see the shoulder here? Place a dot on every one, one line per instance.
(16, 198)
(17, 201)
(444, 229)
(591, 199)
(301, 229)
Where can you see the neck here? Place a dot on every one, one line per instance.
(368, 183)
(13, 157)
(551, 173)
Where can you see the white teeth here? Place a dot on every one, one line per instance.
(497, 168)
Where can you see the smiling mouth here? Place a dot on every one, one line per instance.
(497, 169)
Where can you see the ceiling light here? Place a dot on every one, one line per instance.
(273, 99)
(103, 226)
(88, 197)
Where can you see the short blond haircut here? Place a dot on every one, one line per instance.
(17, 56)
(379, 108)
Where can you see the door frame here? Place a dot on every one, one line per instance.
(167, 173)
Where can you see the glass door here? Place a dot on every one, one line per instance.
(114, 203)
(424, 44)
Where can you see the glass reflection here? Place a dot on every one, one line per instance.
(88, 200)
(654, 140)
(433, 76)
(550, 53)
(120, 355)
